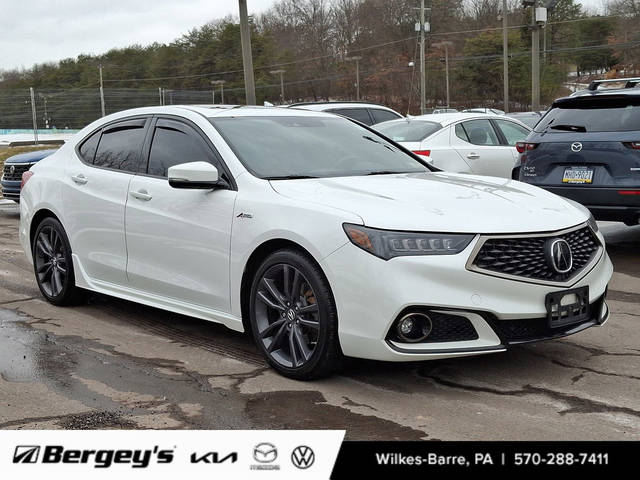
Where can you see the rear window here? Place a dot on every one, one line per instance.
(359, 114)
(408, 131)
(596, 114)
(380, 115)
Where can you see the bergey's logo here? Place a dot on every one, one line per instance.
(26, 454)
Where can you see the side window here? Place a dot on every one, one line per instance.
(460, 133)
(88, 148)
(120, 146)
(480, 132)
(175, 143)
(380, 115)
(512, 131)
(359, 114)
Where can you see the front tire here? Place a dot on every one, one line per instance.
(53, 264)
(293, 316)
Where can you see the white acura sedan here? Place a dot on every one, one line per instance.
(312, 232)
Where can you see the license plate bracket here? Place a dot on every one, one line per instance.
(581, 175)
(574, 308)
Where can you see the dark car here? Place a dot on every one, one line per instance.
(587, 148)
(13, 169)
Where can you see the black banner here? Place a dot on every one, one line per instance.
(411, 459)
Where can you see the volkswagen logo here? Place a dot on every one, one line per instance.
(303, 457)
(12, 169)
(576, 147)
(559, 256)
(265, 453)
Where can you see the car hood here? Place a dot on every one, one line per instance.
(439, 202)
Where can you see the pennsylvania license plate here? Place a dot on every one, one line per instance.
(577, 175)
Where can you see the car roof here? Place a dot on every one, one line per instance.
(30, 156)
(449, 118)
(322, 106)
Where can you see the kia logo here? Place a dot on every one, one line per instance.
(576, 147)
(559, 256)
(265, 453)
(303, 457)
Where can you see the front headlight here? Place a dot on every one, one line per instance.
(592, 223)
(388, 244)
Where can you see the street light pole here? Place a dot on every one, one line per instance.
(101, 92)
(247, 59)
(423, 76)
(357, 60)
(281, 72)
(446, 45)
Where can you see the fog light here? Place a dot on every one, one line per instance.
(414, 327)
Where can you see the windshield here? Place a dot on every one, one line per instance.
(289, 147)
(407, 131)
(593, 115)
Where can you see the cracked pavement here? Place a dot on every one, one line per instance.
(113, 364)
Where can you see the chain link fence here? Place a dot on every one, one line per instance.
(72, 109)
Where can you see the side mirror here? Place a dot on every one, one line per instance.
(194, 175)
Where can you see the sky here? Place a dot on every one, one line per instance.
(38, 31)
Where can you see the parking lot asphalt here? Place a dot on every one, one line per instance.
(110, 363)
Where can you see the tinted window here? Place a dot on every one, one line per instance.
(88, 147)
(120, 146)
(480, 132)
(277, 147)
(175, 143)
(380, 115)
(408, 131)
(512, 131)
(596, 114)
(360, 114)
(460, 133)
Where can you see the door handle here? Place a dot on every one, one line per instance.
(473, 156)
(80, 179)
(141, 194)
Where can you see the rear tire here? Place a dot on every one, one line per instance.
(293, 316)
(53, 264)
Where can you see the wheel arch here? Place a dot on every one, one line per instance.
(259, 254)
(38, 217)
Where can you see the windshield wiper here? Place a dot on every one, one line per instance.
(569, 128)
(290, 177)
(371, 139)
(384, 172)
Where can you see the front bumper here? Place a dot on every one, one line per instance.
(371, 293)
(11, 190)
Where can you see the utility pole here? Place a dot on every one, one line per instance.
(101, 91)
(423, 75)
(538, 19)
(221, 83)
(505, 55)
(357, 60)
(160, 94)
(247, 59)
(446, 45)
(281, 72)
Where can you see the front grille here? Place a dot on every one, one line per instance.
(16, 175)
(525, 256)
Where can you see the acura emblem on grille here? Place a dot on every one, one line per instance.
(559, 255)
(576, 147)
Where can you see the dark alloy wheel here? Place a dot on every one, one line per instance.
(53, 265)
(293, 316)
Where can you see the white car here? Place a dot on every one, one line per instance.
(482, 144)
(310, 231)
(367, 113)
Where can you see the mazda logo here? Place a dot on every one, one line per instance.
(265, 453)
(303, 457)
(576, 147)
(559, 256)
(12, 169)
